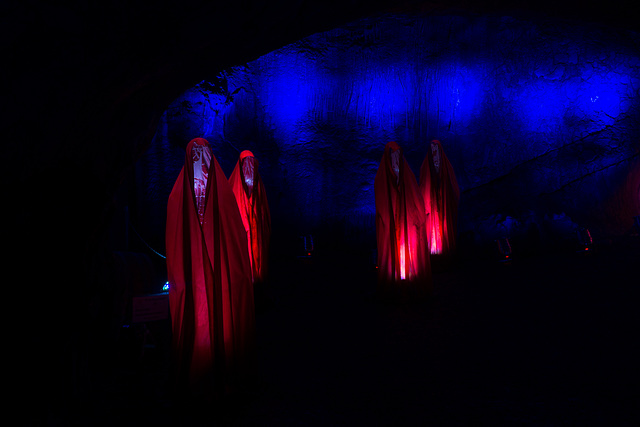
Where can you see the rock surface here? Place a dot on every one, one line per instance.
(85, 85)
(539, 118)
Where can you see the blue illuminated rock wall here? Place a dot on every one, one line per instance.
(540, 119)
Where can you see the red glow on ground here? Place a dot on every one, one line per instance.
(309, 253)
(436, 237)
(402, 263)
(586, 249)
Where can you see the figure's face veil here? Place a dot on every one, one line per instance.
(201, 158)
(435, 154)
(395, 164)
(248, 172)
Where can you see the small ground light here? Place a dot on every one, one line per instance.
(165, 287)
(584, 239)
(305, 247)
(504, 250)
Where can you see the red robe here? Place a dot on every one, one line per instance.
(441, 194)
(209, 273)
(251, 196)
(404, 267)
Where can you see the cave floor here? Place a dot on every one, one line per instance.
(546, 340)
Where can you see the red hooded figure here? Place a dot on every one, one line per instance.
(404, 267)
(251, 196)
(441, 194)
(210, 290)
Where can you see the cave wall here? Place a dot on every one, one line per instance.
(85, 85)
(539, 117)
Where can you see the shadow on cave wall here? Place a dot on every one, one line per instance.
(538, 118)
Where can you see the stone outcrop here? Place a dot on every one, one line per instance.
(539, 118)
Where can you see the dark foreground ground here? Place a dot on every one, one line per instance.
(546, 340)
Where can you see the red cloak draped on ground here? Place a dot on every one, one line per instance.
(209, 273)
(251, 196)
(441, 194)
(404, 267)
